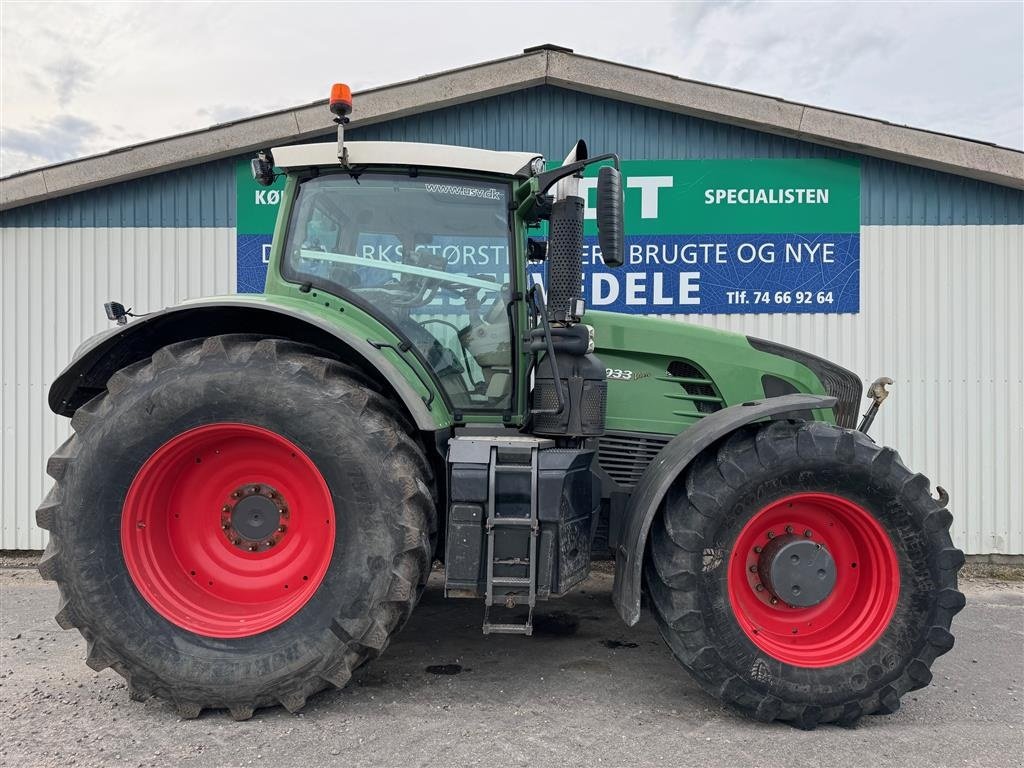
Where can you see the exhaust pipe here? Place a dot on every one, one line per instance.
(565, 245)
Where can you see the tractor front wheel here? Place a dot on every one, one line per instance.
(236, 523)
(802, 573)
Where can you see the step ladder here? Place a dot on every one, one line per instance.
(494, 525)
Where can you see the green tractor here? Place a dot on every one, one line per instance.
(257, 486)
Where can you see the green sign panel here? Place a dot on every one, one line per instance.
(672, 197)
(257, 206)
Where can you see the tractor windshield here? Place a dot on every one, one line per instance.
(429, 256)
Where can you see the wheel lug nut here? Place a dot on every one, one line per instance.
(225, 508)
(789, 529)
(255, 489)
(757, 550)
(753, 569)
(807, 533)
(771, 534)
(235, 494)
(774, 601)
(759, 587)
(281, 529)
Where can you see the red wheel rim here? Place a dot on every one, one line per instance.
(227, 530)
(858, 609)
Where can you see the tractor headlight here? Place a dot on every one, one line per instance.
(537, 165)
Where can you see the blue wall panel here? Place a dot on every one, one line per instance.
(549, 120)
(197, 196)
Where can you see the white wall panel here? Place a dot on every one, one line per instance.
(941, 312)
(52, 289)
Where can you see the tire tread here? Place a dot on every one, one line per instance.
(406, 577)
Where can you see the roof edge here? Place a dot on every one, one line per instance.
(541, 65)
(864, 135)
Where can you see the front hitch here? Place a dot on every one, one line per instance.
(877, 393)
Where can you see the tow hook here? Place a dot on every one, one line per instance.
(877, 393)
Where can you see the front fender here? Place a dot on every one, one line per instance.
(104, 354)
(670, 462)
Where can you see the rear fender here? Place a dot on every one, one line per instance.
(669, 464)
(101, 356)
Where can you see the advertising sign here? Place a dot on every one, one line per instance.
(702, 236)
(256, 214)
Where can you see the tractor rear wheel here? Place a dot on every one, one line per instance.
(236, 523)
(800, 572)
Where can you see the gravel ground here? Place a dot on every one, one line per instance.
(585, 690)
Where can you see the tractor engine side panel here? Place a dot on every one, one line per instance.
(664, 376)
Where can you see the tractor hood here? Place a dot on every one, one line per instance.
(665, 375)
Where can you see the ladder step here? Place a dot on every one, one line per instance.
(511, 581)
(508, 629)
(500, 521)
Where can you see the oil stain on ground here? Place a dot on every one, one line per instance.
(613, 644)
(444, 669)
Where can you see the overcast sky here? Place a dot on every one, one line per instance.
(77, 79)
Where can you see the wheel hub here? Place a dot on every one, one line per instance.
(254, 518)
(780, 598)
(227, 529)
(797, 571)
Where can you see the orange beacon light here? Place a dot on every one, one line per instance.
(341, 100)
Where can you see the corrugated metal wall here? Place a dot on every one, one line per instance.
(942, 314)
(52, 289)
(941, 305)
(198, 196)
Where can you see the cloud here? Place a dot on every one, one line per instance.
(69, 75)
(63, 138)
(953, 67)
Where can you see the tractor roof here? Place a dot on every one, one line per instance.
(406, 154)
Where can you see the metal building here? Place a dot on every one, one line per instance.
(941, 251)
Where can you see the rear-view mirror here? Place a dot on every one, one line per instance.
(610, 230)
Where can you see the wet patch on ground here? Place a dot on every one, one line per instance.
(444, 669)
(613, 644)
(557, 624)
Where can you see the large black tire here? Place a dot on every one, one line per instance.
(377, 476)
(692, 541)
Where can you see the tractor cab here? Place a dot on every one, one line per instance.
(434, 241)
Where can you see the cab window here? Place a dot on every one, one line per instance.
(427, 254)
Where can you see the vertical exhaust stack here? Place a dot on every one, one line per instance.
(570, 368)
(565, 245)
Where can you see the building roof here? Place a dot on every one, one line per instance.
(550, 65)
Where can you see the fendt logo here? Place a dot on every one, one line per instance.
(268, 196)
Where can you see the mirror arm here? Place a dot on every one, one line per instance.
(547, 179)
